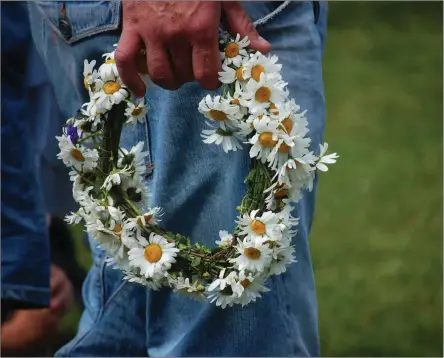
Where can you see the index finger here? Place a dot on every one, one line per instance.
(125, 56)
(207, 61)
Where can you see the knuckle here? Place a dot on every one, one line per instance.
(206, 77)
(122, 58)
(173, 32)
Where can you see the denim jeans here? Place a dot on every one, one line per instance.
(199, 187)
(25, 252)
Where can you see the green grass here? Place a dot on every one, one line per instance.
(377, 236)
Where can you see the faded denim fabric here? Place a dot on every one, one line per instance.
(199, 187)
(25, 255)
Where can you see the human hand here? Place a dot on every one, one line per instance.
(62, 291)
(181, 41)
(29, 330)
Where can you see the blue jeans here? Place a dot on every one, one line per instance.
(199, 195)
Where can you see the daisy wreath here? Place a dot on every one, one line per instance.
(254, 110)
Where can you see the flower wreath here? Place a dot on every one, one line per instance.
(253, 110)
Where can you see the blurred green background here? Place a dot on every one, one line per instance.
(377, 236)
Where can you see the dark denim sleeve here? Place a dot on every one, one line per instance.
(25, 256)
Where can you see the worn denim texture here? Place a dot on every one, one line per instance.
(25, 256)
(199, 187)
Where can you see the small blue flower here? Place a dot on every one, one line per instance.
(71, 132)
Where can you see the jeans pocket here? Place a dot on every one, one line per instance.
(73, 21)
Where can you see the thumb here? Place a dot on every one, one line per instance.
(238, 22)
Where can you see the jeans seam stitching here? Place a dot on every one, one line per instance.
(272, 14)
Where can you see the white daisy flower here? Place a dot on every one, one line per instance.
(265, 138)
(229, 74)
(77, 156)
(105, 237)
(290, 120)
(287, 218)
(222, 282)
(155, 256)
(227, 139)
(284, 258)
(110, 91)
(235, 51)
(136, 190)
(225, 239)
(117, 218)
(149, 218)
(295, 175)
(89, 74)
(78, 186)
(266, 226)
(219, 109)
(109, 67)
(252, 289)
(223, 298)
(116, 177)
(259, 95)
(325, 159)
(183, 287)
(254, 255)
(75, 218)
(136, 113)
(92, 113)
(135, 158)
(235, 99)
(132, 277)
(258, 64)
(109, 55)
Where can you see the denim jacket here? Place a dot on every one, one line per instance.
(25, 257)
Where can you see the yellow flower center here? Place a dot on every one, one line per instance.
(262, 94)
(153, 253)
(284, 148)
(147, 218)
(235, 101)
(273, 109)
(287, 123)
(281, 193)
(77, 155)
(259, 118)
(245, 283)
(136, 111)
(258, 227)
(217, 115)
(256, 72)
(252, 253)
(85, 83)
(232, 50)
(266, 140)
(239, 74)
(117, 229)
(111, 87)
(110, 61)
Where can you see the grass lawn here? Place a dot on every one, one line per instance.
(377, 236)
